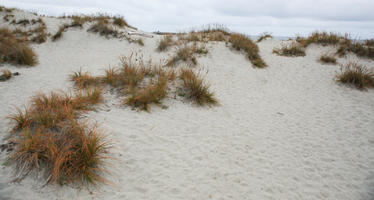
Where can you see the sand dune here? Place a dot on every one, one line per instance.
(288, 131)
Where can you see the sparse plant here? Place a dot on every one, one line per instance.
(264, 36)
(7, 74)
(293, 49)
(196, 88)
(356, 47)
(356, 75)
(323, 38)
(152, 94)
(119, 21)
(104, 29)
(15, 51)
(241, 42)
(326, 58)
(83, 79)
(165, 43)
(184, 53)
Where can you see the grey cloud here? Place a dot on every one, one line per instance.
(249, 16)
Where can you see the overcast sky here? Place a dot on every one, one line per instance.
(281, 18)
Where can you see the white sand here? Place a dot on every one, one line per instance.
(285, 132)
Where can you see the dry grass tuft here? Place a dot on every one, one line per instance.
(152, 94)
(84, 79)
(50, 139)
(119, 21)
(328, 59)
(196, 88)
(356, 75)
(165, 43)
(184, 53)
(14, 50)
(323, 38)
(264, 36)
(7, 74)
(293, 49)
(356, 47)
(241, 42)
(104, 29)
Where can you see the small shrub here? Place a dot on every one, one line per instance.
(293, 49)
(196, 88)
(325, 58)
(356, 75)
(241, 42)
(165, 43)
(15, 51)
(264, 36)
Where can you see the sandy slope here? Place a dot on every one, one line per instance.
(284, 132)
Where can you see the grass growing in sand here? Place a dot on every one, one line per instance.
(241, 42)
(14, 50)
(51, 140)
(292, 50)
(356, 75)
(196, 88)
(327, 59)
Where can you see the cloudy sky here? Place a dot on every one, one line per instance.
(281, 18)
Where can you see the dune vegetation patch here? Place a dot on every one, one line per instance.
(187, 53)
(264, 36)
(322, 38)
(142, 84)
(361, 49)
(51, 141)
(356, 75)
(196, 88)
(165, 43)
(14, 50)
(5, 75)
(213, 33)
(327, 59)
(292, 50)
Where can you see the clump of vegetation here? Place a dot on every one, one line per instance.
(356, 75)
(293, 49)
(84, 79)
(358, 48)
(6, 74)
(165, 43)
(104, 30)
(50, 140)
(152, 94)
(323, 38)
(58, 34)
(119, 21)
(7, 17)
(241, 42)
(264, 36)
(369, 43)
(184, 53)
(328, 59)
(14, 50)
(196, 88)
